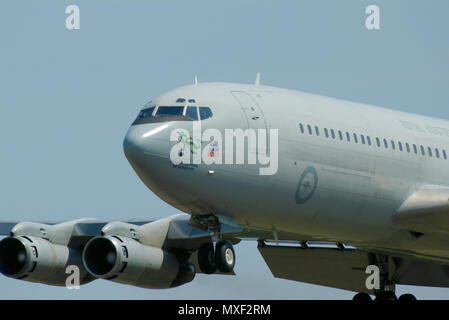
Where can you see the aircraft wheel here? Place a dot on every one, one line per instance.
(407, 297)
(225, 256)
(385, 296)
(362, 296)
(206, 258)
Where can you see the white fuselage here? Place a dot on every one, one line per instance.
(341, 180)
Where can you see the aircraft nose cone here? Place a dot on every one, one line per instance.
(143, 141)
(133, 145)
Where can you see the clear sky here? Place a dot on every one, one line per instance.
(68, 97)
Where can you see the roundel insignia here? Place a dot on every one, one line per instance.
(307, 185)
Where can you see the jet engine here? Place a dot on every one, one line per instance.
(38, 260)
(125, 260)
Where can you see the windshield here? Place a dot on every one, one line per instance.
(205, 113)
(169, 111)
(145, 113)
(172, 113)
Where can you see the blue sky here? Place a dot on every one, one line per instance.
(68, 97)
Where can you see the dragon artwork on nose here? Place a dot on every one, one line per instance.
(188, 144)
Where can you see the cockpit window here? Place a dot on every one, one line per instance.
(169, 111)
(205, 113)
(145, 113)
(153, 114)
(192, 113)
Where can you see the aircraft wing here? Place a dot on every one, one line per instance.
(82, 230)
(85, 227)
(5, 227)
(424, 211)
(288, 256)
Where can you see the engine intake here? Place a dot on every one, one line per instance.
(125, 260)
(38, 260)
(13, 257)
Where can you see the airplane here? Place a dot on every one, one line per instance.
(337, 187)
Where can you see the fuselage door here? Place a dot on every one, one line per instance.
(253, 113)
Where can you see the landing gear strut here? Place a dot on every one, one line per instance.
(218, 254)
(389, 269)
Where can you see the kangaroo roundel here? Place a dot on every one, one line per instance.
(307, 185)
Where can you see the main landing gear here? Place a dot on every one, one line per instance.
(384, 296)
(389, 269)
(218, 254)
(221, 257)
(380, 296)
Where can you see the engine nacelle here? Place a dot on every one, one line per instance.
(124, 260)
(37, 260)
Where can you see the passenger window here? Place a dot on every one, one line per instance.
(437, 152)
(301, 127)
(333, 133)
(385, 143)
(310, 129)
(326, 133)
(378, 142)
(430, 151)
(400, 145)
(444, 154)
(317, 131)
(355, 138)
(392, 145)
(415, 149)
(205, 113)
(348, 137)
(422, 150)
(340, 134)
(369, 140)
(407, 147)
(192, 113)
(363, 138)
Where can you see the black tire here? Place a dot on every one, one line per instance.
(386, 296)
(407, 297)
(362, 296)
(206, 258)
(225, 256)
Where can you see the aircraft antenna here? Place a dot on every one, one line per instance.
(257, 82)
